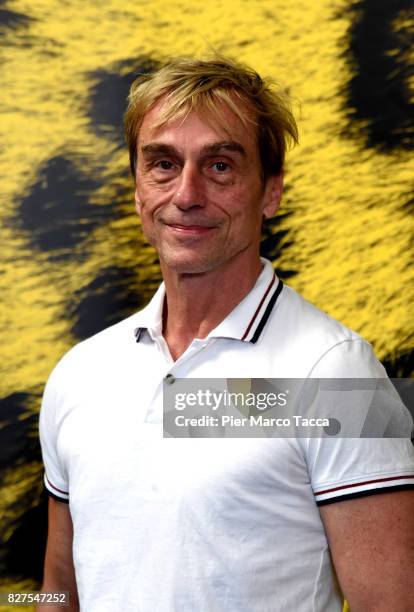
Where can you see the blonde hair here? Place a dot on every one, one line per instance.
(192, 84)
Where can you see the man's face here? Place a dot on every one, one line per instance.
(200, 191)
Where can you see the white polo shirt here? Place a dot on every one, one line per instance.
(206, 525)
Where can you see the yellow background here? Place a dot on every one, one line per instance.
(345, 231)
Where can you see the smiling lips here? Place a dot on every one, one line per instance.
(190, 229)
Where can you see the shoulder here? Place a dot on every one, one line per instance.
(100, 351)
(311, 322)
(328, 347)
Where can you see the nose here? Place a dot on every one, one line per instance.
(189, 191)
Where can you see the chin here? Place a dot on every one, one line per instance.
(189, 264)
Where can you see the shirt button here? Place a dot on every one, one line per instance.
(169, 379)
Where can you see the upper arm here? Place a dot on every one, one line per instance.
(59, 573)
(372, 544)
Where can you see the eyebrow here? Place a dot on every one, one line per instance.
(157, 148)
(227, 145)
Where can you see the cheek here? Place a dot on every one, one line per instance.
(152, 188)
(230, 199)
(243, 208)
(152, 198)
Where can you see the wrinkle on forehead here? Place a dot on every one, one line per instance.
(155, 148)
(212, 110)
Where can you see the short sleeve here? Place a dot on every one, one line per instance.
(343, 467)
(354, 467)
(55, 477)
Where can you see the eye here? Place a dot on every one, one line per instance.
(221, 166)
(164, 164)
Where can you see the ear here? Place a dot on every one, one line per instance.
(272, 195)
(137, 202)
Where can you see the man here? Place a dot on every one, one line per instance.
(216, 524)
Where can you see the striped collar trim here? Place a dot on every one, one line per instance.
(248, 319)
(263, 311)
(244, 323)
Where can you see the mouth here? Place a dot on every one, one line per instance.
(193, 229)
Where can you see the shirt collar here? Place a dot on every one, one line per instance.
(245, 322)
(150, 317)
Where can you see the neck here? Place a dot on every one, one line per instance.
(197, 303)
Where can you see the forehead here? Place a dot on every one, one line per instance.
(201, 123)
